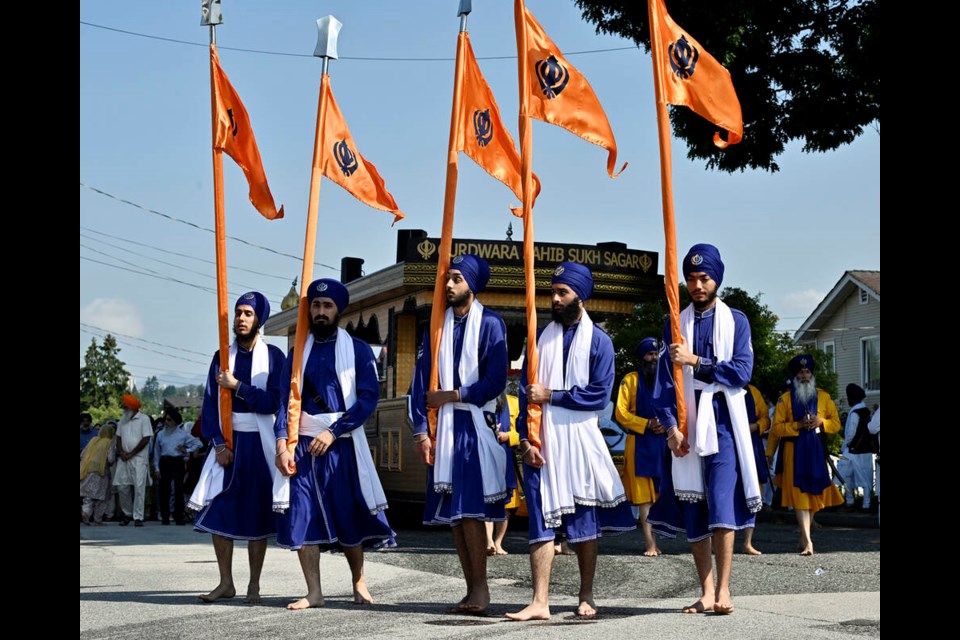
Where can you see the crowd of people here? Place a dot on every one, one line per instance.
(291, 460)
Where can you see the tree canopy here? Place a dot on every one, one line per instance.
(803, 70)
(103, 376)
(772, 349)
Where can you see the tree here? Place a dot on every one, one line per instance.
(803, 69)
(772, 349)
(103, 378)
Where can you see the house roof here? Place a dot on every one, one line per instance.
(183, 402)
(850, 282)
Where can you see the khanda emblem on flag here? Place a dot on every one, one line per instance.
(482, 127)
(553, 76)
(683, 57)
(233, 123)
(346, 159)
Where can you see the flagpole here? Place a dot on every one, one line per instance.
(449, 203)
(328, 29)
(526, 180)
(211, 17)
(670, 268)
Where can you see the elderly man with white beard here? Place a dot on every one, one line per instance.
(133, 464)
(802, 414)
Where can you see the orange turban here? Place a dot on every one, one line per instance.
(130, 402)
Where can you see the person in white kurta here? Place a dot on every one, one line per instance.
(860, 467)
(133, 464)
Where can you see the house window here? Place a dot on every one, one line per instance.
(829, 348)
(864, 296)
(870, 362)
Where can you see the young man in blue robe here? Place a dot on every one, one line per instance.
(234, 496)
(466, 472)
(712, 489)
(336, 499)
(572, 487)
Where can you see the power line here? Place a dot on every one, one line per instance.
(176, 253)
(176, 266)
(136, 346)
(151, 275)
(159, 344)
(196, 226)
(357, 58)
(170, 372)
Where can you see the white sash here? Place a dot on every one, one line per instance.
(211, 477)
(493, 459)
(313, 425)
(702, 422)
(577, 468)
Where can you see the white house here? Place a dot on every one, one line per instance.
(846, 325)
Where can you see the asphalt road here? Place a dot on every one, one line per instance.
(142, 583)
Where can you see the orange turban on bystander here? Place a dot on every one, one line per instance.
(130, 402)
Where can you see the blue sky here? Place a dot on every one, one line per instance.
(145, 137)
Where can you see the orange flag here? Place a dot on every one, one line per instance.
(234, 136)
(341, 162)
(481, 134)
(560, 95)
(692, 77)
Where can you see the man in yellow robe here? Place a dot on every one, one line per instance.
(646, 447)
(802, 414)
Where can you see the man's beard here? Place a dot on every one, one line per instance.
(568, 314)
(459, 302)
(246, 337)
(805, 391)
(649, 370)
(320, 331)
(127, 414)
(702, 306)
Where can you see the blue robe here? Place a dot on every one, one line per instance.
(326, 504)
(725, 506)
(466, 498)
(649, 447)
(587, 522)
(244, 509)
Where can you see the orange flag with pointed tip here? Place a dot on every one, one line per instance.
(693, 78)
(481, 134)
(560, 95)
(234, 136)
(342, 163)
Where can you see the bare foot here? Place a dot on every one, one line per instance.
(751, 551)
(808, 550)
(501, 551)
(491, 549)
(253, 595)
(307, 602)
(222, 591)
(587, 609)
(700, 606)
(532, 612)
(361, 595)
(652, 552)
(565, 549)
(722, 605)
(476, 602)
